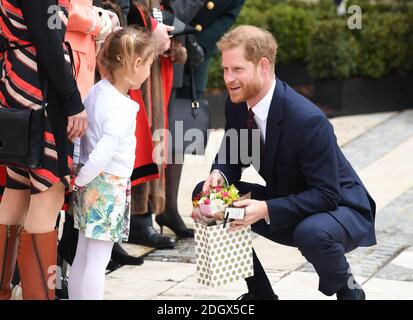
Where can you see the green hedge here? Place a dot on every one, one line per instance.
(333, 51)
(310, 32)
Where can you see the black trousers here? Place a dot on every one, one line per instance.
(321, 239)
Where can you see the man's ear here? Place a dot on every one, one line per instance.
(264, 64)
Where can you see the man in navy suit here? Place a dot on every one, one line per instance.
(313, 198)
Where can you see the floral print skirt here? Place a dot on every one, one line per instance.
(101, 209)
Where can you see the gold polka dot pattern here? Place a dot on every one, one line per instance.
(222, 257)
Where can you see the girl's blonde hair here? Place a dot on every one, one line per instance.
(121, 48)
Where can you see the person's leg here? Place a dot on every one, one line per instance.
(37, 260)
(44, 209)
(77, 269)
(98, 256)
(141, 225)
(171, 217)
(16, 198)
(323, 241)
(13, 209)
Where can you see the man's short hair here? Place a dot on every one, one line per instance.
(257, 43)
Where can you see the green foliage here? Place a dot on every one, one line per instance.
(384, 45)
(291, 27)
(333, 50)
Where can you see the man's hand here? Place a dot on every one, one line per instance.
(161, 37)
(77, 125)
(215, 179)
(255, 210)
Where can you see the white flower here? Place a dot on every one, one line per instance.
(217, 205)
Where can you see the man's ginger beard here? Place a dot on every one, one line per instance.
(247, 91)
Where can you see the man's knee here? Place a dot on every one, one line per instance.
(311, 237)
(197, 189)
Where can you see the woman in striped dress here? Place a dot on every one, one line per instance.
(33, 198)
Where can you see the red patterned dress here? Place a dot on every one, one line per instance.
(34, 24)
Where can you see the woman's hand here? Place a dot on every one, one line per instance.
(77, 125)
(161, 37)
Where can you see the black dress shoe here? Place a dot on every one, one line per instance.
(120, 256)
(173, 221)
(354, 294)
(249, 296)
(245, 296)
(149, 237)
(142, 232)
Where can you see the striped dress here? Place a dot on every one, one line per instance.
(26, 24)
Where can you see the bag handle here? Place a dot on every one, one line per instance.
(195, 102)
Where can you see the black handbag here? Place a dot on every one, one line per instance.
(21, 137)
(22, 131)
(188, 123)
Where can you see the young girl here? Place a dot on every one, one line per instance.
(100, 204)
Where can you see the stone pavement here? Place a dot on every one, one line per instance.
(380, 147)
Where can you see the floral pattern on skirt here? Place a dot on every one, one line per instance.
(101, 209)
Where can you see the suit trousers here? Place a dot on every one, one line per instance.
(321, 239)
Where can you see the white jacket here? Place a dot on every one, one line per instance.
(109, 143)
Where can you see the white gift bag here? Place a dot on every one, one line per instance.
(222, 257)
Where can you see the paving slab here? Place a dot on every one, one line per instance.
(276, 257)
(380, 177)
(404, 259)
(155, 270)
(379, 289)
(191, 289)
(299, 286)
(134, 289)
(347, 128)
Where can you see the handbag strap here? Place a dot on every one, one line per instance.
(72, 59)
(195, 102)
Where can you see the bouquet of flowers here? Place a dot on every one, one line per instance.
(209, 207)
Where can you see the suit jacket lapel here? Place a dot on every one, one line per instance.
(273, 132)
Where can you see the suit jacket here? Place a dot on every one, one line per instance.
(304, 169)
